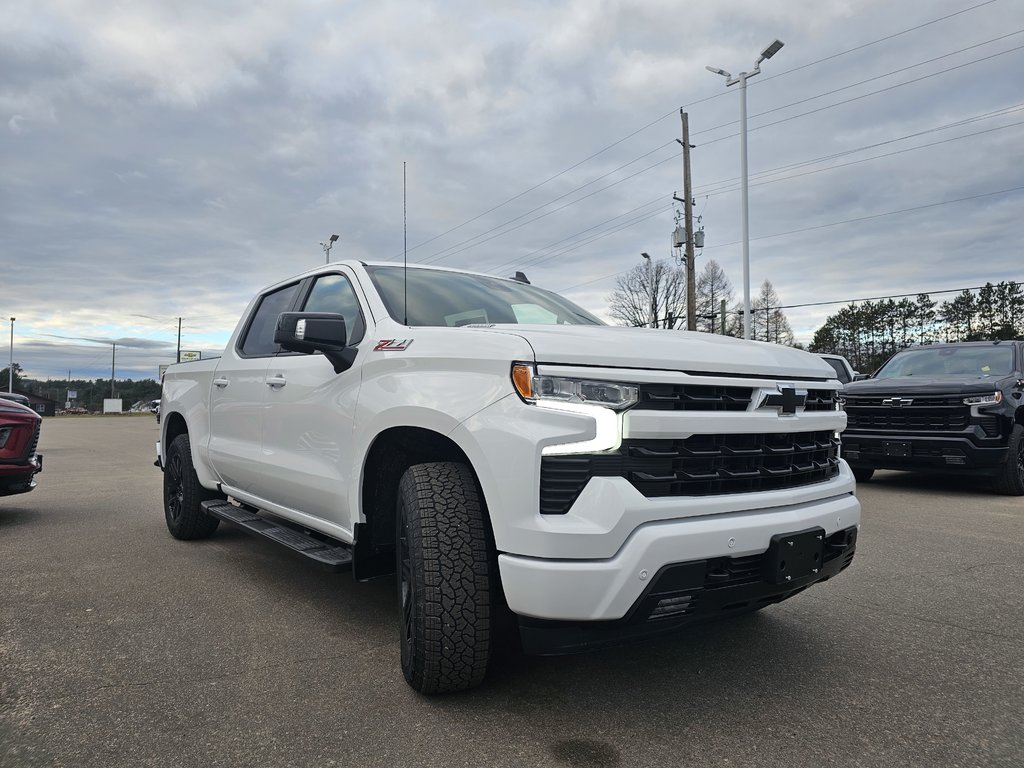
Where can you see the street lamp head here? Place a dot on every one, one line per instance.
(334, 238)
(721, 72)
(771, 50)
(646, 255)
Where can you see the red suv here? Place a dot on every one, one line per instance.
(19, 435)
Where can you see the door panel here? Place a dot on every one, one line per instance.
(308, 417)
(240, 390)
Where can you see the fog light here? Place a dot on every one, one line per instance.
(956, 460)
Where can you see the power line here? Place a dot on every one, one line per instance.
(444, 253)
(724, 190)
(875, 216)
(824, 226)
(1002, 111)
(525, 260)
(873, 42)
(880, 298)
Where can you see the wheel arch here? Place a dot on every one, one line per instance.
(174, 425)
(391, 453)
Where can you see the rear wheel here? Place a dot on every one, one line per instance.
(446, 578)
(183, 494)
(1010, 480)
(863, 474)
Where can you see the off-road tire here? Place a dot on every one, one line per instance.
(183, 494)
(1010, 480)
(863, 474)
(446, 578)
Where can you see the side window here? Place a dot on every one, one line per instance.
(259, 338)
(334, 293)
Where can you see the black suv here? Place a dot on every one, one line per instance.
(942, 408)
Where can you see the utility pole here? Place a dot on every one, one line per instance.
(691, 292)
(723, 317)
(113, 357)
(178, 359)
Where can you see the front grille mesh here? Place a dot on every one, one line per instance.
(701, 465)
(926, 413)
(692, 397)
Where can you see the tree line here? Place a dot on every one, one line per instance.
(868, 333)
(89, 394)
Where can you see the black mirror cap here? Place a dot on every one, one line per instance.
(311, 332)
(861, 376)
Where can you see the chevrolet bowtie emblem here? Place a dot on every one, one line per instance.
(897, 402)
(787, 400)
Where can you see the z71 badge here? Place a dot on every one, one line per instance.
(392, 345)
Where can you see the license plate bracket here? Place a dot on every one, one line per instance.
(793, 556)
(901, 449)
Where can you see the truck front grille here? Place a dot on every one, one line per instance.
(928, 413)
(704, 397)
(701, 465)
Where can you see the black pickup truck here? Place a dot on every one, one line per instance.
(950, 408)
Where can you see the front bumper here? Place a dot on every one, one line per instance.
(609, 589)
(19, 478)
(923, 452)
(686, 594)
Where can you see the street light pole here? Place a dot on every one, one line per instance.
(742, 78)
(327, 247)
(10, 369)
(650, 288)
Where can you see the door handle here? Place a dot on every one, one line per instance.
(220, 383)
(276, 381)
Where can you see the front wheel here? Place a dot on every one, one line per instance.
(1010, 480)
(183, 494)
(446, 578)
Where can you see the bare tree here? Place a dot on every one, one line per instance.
(631, 301)
(712, 286)
(769, 323)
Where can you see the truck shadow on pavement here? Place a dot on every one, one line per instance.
(932, 483)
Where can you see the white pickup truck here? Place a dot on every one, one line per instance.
(516, 461)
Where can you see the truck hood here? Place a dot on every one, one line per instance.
(654, 349)
(925, 385)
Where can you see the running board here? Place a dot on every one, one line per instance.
(328, 557)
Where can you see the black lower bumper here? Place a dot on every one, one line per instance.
(923, 453)
(17, 482)
(690, 593)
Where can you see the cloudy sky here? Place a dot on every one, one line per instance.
(162, 160)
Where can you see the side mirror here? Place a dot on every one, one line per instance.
(310, 332)
(861, 376)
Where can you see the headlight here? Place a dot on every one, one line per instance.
(533, 388)
(993, 399)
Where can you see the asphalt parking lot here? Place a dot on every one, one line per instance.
(120, 646)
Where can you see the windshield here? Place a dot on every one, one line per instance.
(450, 299)
(977, 361)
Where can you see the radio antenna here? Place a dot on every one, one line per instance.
(405, 247)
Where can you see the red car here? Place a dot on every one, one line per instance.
(19, 435)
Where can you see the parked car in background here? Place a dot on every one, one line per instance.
(19, 435)
(844, 371)
(16, 398)
(950, 408)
